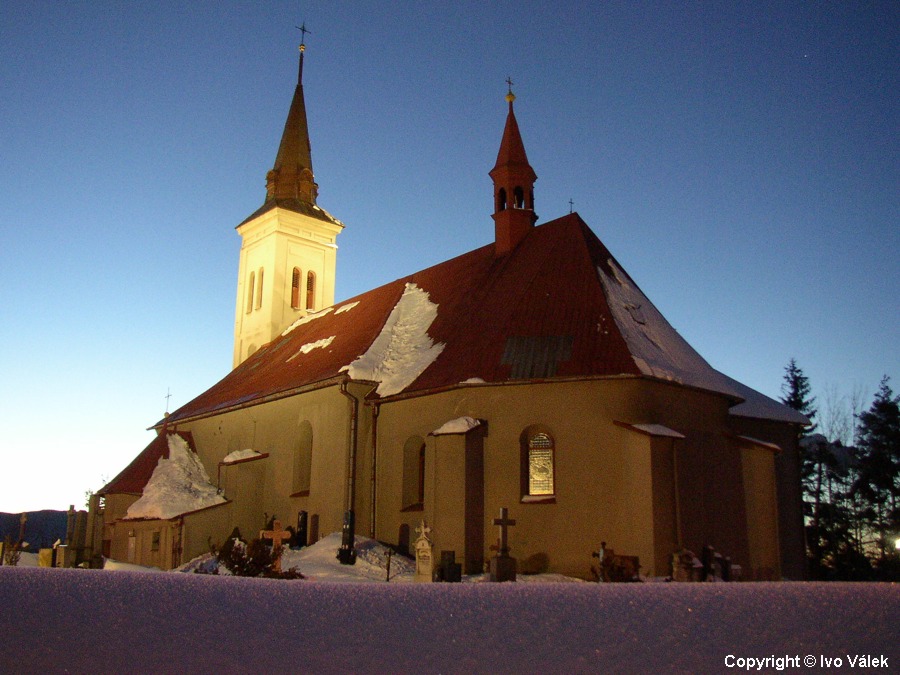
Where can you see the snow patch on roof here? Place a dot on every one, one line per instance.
(759, 406)
(458, 426)
(178, 485)
(309, 346)
(473, 380)
(346, 308)
(239, 455)
(657, 348)
(403, 349)
(306, 319)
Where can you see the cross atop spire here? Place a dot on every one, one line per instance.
(510, 97)
(303, 31)
(302, 28)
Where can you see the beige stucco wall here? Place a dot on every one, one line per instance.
(612, 483)
(272, 428)
(762, 513)
(604, 472)
(787, 479)
(132, 542)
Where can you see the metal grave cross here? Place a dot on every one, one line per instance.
(504, 522)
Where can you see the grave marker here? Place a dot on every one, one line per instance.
(278, 537)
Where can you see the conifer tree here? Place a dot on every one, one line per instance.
(795, 392)
(878, 478)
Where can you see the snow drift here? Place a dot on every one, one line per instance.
(96, 621)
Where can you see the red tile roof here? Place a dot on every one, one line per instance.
(540, 311)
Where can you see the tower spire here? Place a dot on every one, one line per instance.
(292, 176)
(514, 181)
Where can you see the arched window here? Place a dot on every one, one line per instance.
(501, 200)
(413, 473)
(302, 459)
(519, 197)
(259, 289)
(310, 290)
(295, 288)
(251, 284)
(538, 463)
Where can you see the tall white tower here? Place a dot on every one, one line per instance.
(288, 250)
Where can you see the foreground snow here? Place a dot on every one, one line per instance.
(97, 621)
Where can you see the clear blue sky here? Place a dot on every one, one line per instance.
(740, 159)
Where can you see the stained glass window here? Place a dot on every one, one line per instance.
(540, 464)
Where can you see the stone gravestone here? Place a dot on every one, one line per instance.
(503, 567)
(278, 537)
(600, 555)
(686, 566)
(423, 546)
(450, 570)
(302, 535)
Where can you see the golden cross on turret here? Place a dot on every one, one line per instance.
(510, 97)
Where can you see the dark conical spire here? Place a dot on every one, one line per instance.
(292, 175)
(514, 181)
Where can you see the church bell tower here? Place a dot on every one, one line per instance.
(513, 178)
(288, 250)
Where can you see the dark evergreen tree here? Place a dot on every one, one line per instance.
(814, 454)
(878, 477)
(796, 391)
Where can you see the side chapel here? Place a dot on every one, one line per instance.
(531, 373)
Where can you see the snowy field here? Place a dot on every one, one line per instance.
(83, 621)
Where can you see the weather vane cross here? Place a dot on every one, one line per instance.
(509, 83)
(168, 396)
(302, 28)
(571, 205)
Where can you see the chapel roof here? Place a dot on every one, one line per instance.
(133, 478)
(557, 306)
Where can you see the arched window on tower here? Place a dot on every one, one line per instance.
(295, 288)
(310, 290)
(259, 289)
(501, 200)
(251, 284)
(519, 197)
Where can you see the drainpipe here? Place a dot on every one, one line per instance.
(679, 542)
(376, 408)
(346, 553)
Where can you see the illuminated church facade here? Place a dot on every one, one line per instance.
(531, 373)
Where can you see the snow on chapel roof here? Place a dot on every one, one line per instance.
(557, 306)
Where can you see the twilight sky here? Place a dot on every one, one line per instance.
(740, 159)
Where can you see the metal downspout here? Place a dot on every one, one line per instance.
(375, 410)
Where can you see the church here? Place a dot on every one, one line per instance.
(530, 374)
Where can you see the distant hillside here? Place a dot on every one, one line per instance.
(41, 531)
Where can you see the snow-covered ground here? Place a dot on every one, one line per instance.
(130, 621)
